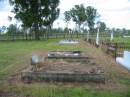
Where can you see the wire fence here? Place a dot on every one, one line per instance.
(42, 36)
(114, 48)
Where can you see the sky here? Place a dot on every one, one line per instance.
(115, 13)
(5, 11)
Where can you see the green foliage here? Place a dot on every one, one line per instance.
(40, 90)
(36, 13)
(67, 15)
(102, 26)
(78, 14)
(91, 16)
(12, 29)
(82, 16)
(121, 40)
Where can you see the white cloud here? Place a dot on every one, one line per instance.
(60, 23)
(115, 13)
(4, 21)
(5, 11)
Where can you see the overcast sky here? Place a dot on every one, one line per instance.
(115, 13)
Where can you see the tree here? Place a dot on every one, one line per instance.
(91, 16)
(67, 15)
(12, 29)
(102, 26)
(124, 31)
(36, 13)
(78, 15)
(54, 16)
(10, 18)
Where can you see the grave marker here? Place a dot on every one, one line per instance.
(112, 35)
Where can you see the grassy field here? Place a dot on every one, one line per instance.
(16, 55)
(107, 38)
(121, 40)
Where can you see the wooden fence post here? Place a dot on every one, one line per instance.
(116, 48)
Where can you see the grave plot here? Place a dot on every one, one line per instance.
(68, 42)
(66, 55)
(65, 70)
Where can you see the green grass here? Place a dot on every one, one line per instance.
(38, 90)
(121, 40)
(15, 55)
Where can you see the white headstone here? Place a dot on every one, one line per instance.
(88, 35)
(71, 42)
(125, 60)
(112, 35)
(97, 38)
(127, 57)
(34, 60)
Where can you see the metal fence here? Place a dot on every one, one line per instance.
(25, 36)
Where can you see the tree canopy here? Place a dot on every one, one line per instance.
(67, 15)
(82, 15)
(102, 26)
(36, 13)
(91, 16)
(78, 14)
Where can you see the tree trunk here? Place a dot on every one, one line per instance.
(37, 37)
(49, 31)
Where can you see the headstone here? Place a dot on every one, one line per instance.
(125, 60)
(127, 57)
(112, 36)
(63, 42)
(97, 38)
(88, 35)
(34, 60)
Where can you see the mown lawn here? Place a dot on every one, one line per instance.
(118, 39)
(15, 55)
(121, 40)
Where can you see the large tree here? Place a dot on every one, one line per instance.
(12, 28)
(67, 15)
(91, 16)
(78, 15)
(102, 26)
(36, 13)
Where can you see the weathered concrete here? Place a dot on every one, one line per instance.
(63, 77)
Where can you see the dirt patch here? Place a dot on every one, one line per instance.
(7, 94)
(82, 65)
(81, 69)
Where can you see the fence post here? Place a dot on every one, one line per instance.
(116, 47)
